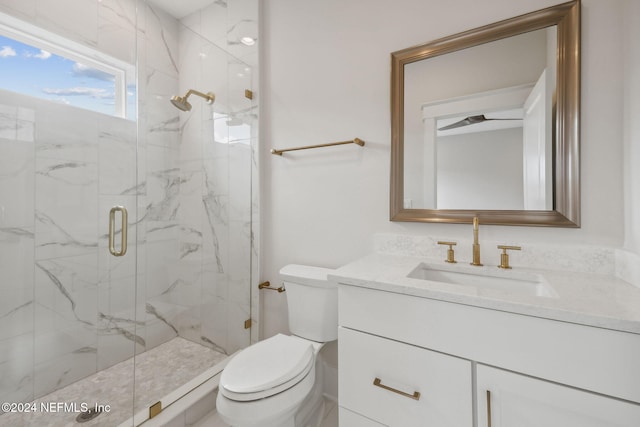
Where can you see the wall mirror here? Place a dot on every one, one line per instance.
(486, 123)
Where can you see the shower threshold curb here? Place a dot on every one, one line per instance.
(180, 399)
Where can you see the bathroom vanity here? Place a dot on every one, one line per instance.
(422, 343)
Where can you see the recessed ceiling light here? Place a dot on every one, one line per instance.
(248, 41)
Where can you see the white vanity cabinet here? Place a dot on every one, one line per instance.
(539, 372)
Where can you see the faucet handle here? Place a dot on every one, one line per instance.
(451, 258)
(504, 256)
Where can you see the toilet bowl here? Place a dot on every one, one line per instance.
(267, 383)
(278, 382)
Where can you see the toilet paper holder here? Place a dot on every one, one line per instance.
(267, 285)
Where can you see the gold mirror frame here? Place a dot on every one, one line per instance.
(566, 204)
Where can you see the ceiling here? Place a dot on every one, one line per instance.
(182, 8)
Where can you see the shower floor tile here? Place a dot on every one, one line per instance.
(157, 372)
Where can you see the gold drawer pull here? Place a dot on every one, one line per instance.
(378, 383)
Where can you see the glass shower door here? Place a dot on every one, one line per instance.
(68, 305)
(68, 155)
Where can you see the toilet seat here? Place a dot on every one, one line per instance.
(267, 368)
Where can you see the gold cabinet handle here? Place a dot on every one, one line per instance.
(488, 408)
(123, 233)
(378, 383)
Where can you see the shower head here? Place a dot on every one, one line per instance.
(181, 103)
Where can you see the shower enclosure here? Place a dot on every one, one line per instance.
(88, 135)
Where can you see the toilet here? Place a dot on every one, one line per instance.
(278, 382)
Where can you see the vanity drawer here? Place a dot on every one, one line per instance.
(351, 419)
(399, 384)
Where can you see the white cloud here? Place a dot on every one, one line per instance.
(80, 91)
(43, 54)
(81, 70)
(7, 51)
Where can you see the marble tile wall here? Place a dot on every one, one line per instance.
(67, 306)
(214, 287)
(17, 236)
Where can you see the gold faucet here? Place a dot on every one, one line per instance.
(504, 256)
(451, 257)
(476, 245)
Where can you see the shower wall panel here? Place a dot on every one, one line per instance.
(17, 182)
(210, 301)
(159, 173)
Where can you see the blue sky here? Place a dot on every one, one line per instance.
(32, 71)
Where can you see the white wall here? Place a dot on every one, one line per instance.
(484, 172)
(632, 126)
(326, 73)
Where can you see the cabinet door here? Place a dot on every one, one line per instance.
(397, 384)
(506, 399)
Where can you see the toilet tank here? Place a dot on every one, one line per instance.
(312, 301)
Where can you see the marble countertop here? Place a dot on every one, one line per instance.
(585, 298)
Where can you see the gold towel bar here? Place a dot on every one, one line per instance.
(356, 141)
(266, 285)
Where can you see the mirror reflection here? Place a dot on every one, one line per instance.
(478, 126)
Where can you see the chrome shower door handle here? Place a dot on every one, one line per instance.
(112, 232)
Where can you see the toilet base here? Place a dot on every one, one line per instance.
(306, 413)
(311, 412)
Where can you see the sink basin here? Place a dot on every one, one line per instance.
(504, 281)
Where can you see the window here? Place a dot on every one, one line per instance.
(37, 63)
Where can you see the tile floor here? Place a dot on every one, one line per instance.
(330, 417)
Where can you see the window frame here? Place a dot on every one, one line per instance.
(40, 38)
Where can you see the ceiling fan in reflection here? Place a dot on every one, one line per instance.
(471, 120)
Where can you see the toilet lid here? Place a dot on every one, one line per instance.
(266, 368)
